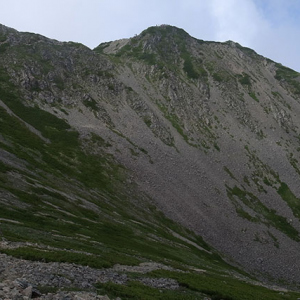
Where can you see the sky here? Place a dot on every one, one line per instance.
(270, 27)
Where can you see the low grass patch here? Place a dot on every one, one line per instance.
(253, 96)
(194, 286)
(137, 290)
(189, 69)
(288, 76)
(288, 196)
(221, 287)
(58, 256)
(244, 79)
(263, 213)
(91, 103)
(229, 172)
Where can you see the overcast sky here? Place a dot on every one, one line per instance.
(270, 27)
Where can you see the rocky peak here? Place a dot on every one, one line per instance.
(165, 33)
(156, 44)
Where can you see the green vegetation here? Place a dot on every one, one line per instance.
(3, 37)
(99, 49)
(217, 77)
(270, 178)
(188, 67)
(4, 47)
(294, 162)
(229, 172)
(244, 79)
(173, 118)
(80, 234)
(221, 76)
(83, 214)
(136, 50)
(262, 213)
(262, 172)
(277, 95)
(163, 53)
(91, 103)
(288, 76)
(275, 240)
(284, 73)
(216, 146)
(60, 256)
(165, 31)
(288, 196)
(253, 96)
(137, 290)
(193, 285)
(176, 123)
(59, 82)
(148, 121)
(248, 51)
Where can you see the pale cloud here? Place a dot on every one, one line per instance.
(240, 23)
(280, 44)
(279, 40)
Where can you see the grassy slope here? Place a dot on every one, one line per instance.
(74, 201)
(107, 234)
(61, 196)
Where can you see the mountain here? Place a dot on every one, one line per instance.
(160, 149)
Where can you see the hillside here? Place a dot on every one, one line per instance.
(160, 149)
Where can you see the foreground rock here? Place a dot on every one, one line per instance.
(23, 279)
(20, 290)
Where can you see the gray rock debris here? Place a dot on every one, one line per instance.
(20, 278)
(21, 290)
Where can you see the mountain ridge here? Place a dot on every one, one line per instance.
(205, 132)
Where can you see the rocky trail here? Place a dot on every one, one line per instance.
(23, 279)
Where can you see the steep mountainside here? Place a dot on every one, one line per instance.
(158, 148)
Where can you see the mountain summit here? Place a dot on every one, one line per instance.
(160, 149)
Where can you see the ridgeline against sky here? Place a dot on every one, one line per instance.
(269, 27)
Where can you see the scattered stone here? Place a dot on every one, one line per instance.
(20, 279)
(160, 283)
(28, 291)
